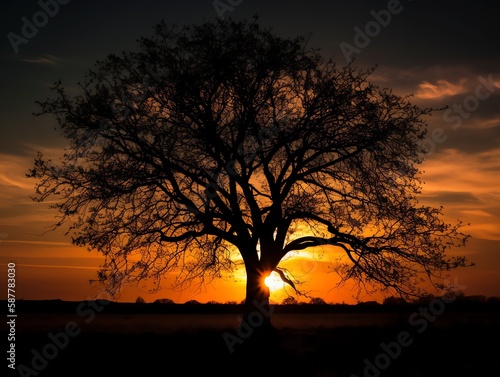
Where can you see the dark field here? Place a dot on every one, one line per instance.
(372, 343)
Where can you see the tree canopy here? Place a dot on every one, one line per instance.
(224, 138)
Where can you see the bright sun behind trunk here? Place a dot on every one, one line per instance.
(274, 282)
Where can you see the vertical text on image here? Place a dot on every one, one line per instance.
(11, 315)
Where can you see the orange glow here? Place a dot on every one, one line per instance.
(26, 242)
(441, 89)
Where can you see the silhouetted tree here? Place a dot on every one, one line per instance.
(192, 302)
(166, 301)
(225, 138)
(290, 300)
(317, 301)
(394, 301)
(213, 302)
(140, 300)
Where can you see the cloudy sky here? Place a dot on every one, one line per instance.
(443, 53)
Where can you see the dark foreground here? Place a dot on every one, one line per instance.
(366, 344)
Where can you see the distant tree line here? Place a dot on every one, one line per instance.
(388, 301)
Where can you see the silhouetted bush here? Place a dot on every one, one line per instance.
(317, 301)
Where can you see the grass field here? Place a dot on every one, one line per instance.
(324, 344)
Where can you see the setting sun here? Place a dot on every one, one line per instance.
(274, 282)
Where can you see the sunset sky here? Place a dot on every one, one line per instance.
(445, 53)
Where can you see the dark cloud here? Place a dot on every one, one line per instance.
(445, 197)
(473, 140)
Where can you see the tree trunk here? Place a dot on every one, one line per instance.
(257, 313)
